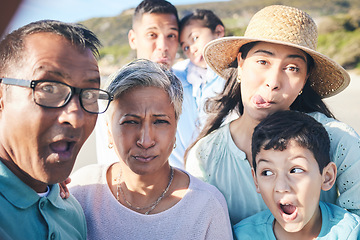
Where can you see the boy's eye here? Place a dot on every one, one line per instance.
(195, 38)
(296, 170)
(267, 173)
(185, 49)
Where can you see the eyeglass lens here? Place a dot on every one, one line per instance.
(55, 94)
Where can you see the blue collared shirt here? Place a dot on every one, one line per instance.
(25, 215)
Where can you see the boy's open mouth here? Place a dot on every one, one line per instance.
(289, 211)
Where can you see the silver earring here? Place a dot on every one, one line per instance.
(174, 145)
(110, 145)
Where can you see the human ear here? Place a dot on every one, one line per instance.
(220, 31)
(240, 62)
(255, 180)
(132, 39)
(328, 176)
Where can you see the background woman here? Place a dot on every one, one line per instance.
(142, 196)
(273, 67)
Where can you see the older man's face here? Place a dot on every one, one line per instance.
(43, 143)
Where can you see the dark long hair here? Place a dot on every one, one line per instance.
(229, 100)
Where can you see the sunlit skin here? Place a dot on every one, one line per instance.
(40, 144)
(272, 76)
(290, 183)
(155, 37)
(193, 39)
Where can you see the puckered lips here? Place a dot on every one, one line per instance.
(163, 59)
(261, 102)
(288, 211)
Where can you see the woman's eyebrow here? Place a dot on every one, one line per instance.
(297, 56)
(289, 56)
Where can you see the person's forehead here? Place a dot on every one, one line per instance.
(49, 53)
(275, 47)
(192, 27)
(157, 20)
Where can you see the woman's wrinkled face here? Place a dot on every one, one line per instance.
(142, 128)
(272, 76)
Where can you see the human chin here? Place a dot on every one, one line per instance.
(291, 227)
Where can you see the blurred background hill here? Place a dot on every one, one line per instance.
(338, 22)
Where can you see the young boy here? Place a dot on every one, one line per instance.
(291, 165)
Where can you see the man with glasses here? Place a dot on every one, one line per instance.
(49, 101)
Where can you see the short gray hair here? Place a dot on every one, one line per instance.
(145, 73)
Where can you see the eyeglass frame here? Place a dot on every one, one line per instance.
(74, 90)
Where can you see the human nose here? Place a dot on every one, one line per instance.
(193, 49)
(282, 184)
(72, 113)
(161, 43)
(146, 138)
(273, 79)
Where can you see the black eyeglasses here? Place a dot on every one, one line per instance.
(54, 94)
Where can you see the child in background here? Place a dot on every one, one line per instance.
(196, 30)
(291, 165)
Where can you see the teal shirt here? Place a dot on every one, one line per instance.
(25, 215)
(217, 160)
(337, 224)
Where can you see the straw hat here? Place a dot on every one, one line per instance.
(287, 26)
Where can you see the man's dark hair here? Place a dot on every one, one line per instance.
(276, 130)
(154, 6)
(207, 17)
(12, 46)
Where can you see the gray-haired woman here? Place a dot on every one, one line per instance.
(142, 196)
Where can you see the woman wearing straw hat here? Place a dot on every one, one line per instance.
(273, 67)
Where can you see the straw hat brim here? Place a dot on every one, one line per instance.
(327, 77)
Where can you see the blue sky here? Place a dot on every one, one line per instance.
(76, 10)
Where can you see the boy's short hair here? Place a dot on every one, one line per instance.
(276, 130)
(207, 17)
(154, 6)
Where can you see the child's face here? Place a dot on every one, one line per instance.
(290, 184)
(193, 39)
